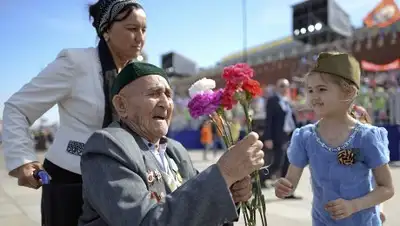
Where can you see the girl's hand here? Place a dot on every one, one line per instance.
(340, 208)
(382, 216)
(283, 188)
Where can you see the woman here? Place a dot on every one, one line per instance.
(78, 81)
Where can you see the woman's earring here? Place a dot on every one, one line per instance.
(106, 37)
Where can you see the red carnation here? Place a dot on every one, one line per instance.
(238, 73)
(228, 97)
(252, 87)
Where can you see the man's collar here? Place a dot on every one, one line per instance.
(281, 97)
(163, 142)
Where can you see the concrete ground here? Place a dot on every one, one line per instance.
(19, 206)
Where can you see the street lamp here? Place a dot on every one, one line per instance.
(244, 21)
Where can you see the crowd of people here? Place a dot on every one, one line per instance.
(379, 94)
(113, 164)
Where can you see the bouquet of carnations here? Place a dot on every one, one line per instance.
(240, 88)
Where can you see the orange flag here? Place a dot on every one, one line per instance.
(383, 15)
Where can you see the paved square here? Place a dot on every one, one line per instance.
(21, 206)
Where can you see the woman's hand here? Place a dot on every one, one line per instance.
(25, 177)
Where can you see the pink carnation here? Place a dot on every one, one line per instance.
(205, 103)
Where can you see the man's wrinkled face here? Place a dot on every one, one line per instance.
(149, 105)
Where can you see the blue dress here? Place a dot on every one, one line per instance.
(332, 180)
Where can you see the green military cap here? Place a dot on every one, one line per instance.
(339, 64)
(133, 71)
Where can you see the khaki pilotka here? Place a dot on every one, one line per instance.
(339, 64)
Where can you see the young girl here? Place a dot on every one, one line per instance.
(343, 154)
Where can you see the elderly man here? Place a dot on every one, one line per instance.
(134, 175)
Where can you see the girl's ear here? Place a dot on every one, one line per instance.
(350, 93)
(353, 93)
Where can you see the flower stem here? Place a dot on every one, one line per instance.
(222, 130)
(259, 201)
(227, 126)
(248, 118)
(245, 214)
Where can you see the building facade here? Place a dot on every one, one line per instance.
(290, 59)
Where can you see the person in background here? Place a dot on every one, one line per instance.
(217, 128)
(279, 126)
(78, 81)
(206, 138)
(49, 137)
(380, 102)
(394, 104)
(361, 114)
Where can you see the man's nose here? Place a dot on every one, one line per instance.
(164, 101)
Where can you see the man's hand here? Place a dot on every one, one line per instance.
(242, 190)
(242, 159)
(340, 208)
(269, 144)
(25, 177)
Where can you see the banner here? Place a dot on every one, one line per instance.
(368, 66)
(384, 14)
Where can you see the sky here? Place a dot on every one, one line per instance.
(34, 32)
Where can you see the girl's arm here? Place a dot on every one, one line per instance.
(297, 156)
(383, 190)
(293, 175)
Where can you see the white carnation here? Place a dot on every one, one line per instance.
(200, 86)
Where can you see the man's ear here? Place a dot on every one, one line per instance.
(120, 105)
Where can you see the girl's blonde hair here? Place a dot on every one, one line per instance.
(360, 114)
